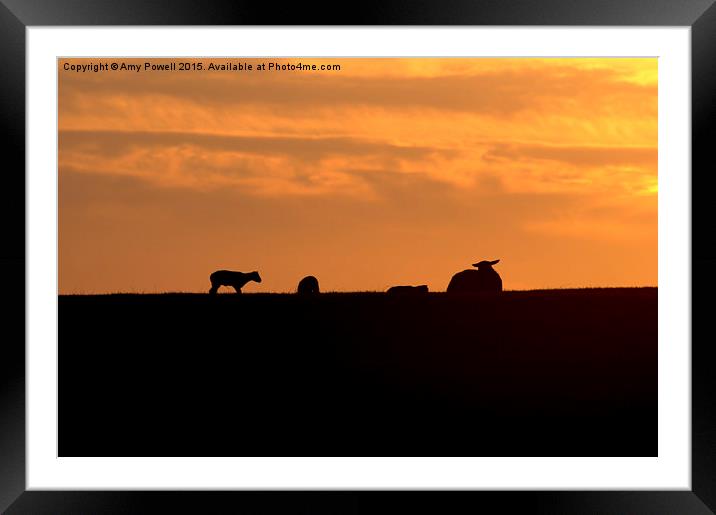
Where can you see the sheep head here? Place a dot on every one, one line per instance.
(485, 264)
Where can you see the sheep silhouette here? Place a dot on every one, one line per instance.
(408, 290)
(308, 286)
(484, 279)
(236, 280)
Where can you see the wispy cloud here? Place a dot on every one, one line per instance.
(306, 149)
(590, 156)
(495, 92)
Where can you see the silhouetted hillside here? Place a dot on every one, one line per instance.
(553, 372)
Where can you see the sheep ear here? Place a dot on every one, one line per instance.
(494, 262)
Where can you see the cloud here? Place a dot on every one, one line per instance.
(307, 149)
(590, 156)
(265, 165)
(494, 92)
(280, 165)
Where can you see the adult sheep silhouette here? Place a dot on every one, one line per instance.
(308, 286)
(484, 279)
(236, 280)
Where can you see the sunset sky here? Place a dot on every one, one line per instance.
(388, 171)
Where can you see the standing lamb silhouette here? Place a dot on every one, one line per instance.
(236, 280)
(484, 279)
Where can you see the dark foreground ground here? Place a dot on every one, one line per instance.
(544, 373)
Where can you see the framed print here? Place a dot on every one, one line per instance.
(405, 237)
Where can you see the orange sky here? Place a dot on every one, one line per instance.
(389, 171)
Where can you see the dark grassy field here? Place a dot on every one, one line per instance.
(540, 373)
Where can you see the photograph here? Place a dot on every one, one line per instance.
(354, 256)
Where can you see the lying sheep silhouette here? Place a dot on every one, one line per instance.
(308, 286)
(408, 290)
(484, 279)
(236, 280)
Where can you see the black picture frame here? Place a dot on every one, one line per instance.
(16, 15)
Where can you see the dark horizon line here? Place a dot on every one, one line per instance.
(348, 292)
